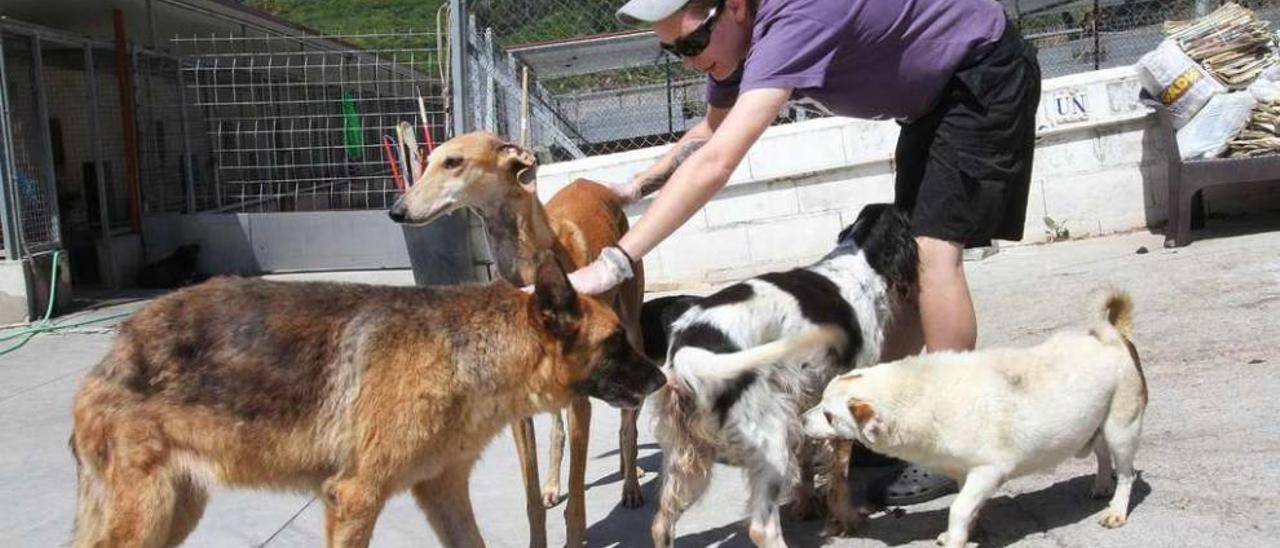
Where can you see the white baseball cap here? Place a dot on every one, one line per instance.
(638, 12)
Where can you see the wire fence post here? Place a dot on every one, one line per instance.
(8, 166)
(458, 66)
(490, 116)
(1097, 43)
(99, 170)
(128, 118)
(54, 237)
(187, 168)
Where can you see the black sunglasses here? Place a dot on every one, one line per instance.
(692, 44)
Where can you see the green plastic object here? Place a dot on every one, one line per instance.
(352, 133)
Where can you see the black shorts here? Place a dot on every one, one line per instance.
(964, 169)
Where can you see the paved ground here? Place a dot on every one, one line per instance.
(1210, 461)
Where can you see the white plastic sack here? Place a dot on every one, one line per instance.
(1178, 81)
(1207, 134)
(1267, 87)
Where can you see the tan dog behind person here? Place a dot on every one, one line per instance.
(497, 180)
(355, 392)
(986, 416)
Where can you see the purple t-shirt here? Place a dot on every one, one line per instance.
(863, 58)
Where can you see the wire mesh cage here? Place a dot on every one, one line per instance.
(110, 147)
(161, 132)
(67, 175)
(298, 123)
(32, 178)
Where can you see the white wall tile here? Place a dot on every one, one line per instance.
(794, 238)
(852, 189)
(752, 203)
(797, 153)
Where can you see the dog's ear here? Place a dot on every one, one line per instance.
(889, 245)
(869, 423)
(656, 317)
(521, 163)
(555, 303)
(845, 233)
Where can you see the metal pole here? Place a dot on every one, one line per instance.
(8, 167)
(124, 77)
(1097, 52)
(187, 168)
(671, 127)
(95, 135)
(489, 122)
(461, 102)
(151, 25)
(99, 170)
(42, 120)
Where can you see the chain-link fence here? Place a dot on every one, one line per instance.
(616, 90)
(1082, 35)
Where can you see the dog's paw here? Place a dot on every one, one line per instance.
(551, 496)
(1112, 520)
(946, 541)
(843, 525)
(632, 497)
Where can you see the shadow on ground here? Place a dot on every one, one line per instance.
(1006, 519)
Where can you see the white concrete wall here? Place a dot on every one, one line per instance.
(14, 307)
(1099, 169)
(254, 243)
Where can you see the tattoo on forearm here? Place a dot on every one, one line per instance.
(651, 183)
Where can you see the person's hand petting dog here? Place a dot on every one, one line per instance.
(627, 192)
(611, 268)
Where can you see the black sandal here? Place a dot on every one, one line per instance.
(910, 485)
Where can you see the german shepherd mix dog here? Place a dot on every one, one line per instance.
(746, 361)
(354, 392)
(497, 180)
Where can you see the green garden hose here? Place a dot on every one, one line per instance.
(43, 325)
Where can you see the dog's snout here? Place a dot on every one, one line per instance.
(398, 211)
(657, 379)
(819, 424)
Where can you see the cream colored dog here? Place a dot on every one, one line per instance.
(986, 416)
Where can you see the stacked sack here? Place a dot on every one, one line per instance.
(1231, 43)
(1194, 71)
(1260, 135)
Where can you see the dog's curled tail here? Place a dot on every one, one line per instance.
(709, 367)
(1114, 310)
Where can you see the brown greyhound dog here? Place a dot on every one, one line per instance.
(497, 179)
(353, 392)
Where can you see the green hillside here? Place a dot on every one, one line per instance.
(513, 21)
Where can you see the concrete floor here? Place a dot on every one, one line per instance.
(1207, 319)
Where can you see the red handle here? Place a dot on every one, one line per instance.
(391, 159)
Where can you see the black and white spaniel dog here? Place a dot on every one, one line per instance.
(745, 362)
